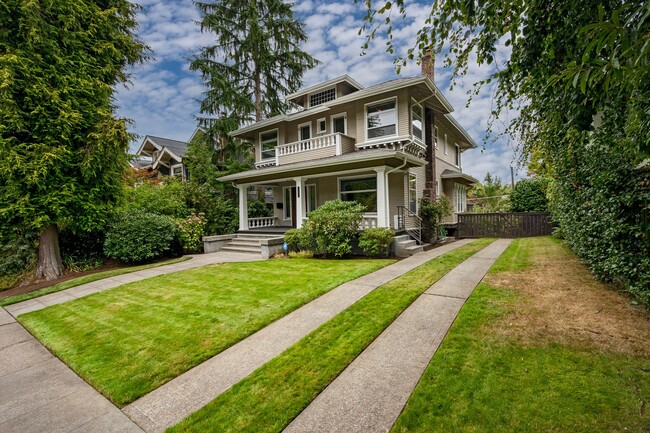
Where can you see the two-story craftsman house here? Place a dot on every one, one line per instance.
(377, 145)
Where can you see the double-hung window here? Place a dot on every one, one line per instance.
(413, 204)
(416, 122)
(457, 155)
(268, 141)
(381, 119)
(362, 190)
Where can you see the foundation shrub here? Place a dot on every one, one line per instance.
(333, 226)
(375, 241)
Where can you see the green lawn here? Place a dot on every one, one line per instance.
(277, 392)
(485, 379)
(130, 340)
(83, 280)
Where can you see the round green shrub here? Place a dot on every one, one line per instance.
(333, 226)
(298, 240)
(375, 241)
(529, 195)
(137, 236)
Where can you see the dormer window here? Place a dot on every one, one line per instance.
(322, 97)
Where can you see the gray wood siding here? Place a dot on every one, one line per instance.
(307, 155)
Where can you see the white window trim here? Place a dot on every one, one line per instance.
(410, 175)
(277, 135)
(318, 123)
(446, 145)
(414, 108)
(457, 163)
(460, 197)
(327, 89)
(343, 115)
(365, 119)
(171, 171)
(287, 205)
(310, 130)
(308, 196)
(360, 176)
(435, 136)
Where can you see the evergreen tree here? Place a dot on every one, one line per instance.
(490, 196)
(63, 150)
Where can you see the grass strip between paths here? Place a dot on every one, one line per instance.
(129, 340)
(270, 398)
(482, 379)
(84, 280)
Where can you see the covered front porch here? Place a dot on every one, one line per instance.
(379, 181)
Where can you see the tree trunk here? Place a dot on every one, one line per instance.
(50, 265)
(258, 96)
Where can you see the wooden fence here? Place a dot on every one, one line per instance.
(504, 225)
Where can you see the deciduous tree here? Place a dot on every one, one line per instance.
(63, 148)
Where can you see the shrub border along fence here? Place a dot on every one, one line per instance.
(504, 224)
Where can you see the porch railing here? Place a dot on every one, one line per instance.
(410, 222)
(368, 221)
(320, 142)
(257, 223)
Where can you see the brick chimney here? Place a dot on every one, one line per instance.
(427, 64)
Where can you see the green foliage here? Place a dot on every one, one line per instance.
(16, 257)
(299, 240)
(190, 232)
(164, 198)
(490, 196)
(301, 254)
(376, 240)
(529, 195)
(82, 251)
(434, 212)
(221, 213)
(136, 236)
(333, 226)
(258, 209)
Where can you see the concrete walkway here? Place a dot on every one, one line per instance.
(371, 392)
(196, 261)
(38, 393)
(187, 393)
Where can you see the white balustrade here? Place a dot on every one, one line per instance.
(314, 143)
(257, 223)
(368, 222)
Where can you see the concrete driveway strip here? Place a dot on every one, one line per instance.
(370, 394)
(108, 283)
(38, 393)
(169, 404)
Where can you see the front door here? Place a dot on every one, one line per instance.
(293, 206)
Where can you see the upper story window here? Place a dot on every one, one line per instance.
(381, 119)
(416, 122)
(322, 97)
(457, 155)
(435, 136)
(268, 141)
(339, 124)
(304, 131)
(321, 126)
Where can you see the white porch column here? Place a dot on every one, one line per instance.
(300, 200)
(382, 190)
(243, 207)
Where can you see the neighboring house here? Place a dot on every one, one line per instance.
(162, 154)
(384, 146)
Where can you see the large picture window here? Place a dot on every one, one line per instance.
(416, 122)
(381, 119)
(268, 141)
(362, 190)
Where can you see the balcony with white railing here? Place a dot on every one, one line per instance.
(322, 146)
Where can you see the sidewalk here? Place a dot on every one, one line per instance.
(196, 261)
(38, 393)
(371, 392)
(169, 404)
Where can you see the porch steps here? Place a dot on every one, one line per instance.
(405, 246)
(247, 243)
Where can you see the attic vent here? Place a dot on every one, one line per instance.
(322, 97)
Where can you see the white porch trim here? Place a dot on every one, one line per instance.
(300, 201)
(382, 189)
(243, 206)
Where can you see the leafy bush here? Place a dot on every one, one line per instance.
(136, 236)
(434, 212)
(333, 226)
(299, 240)
(529, 195)
(258, 209)
(164, 198)
(222, 214)
(82, 251)
(375, 241)
(190, 232)
(17, 257)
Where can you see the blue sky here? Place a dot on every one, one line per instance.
(162, 98)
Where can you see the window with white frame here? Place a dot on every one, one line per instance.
(304, 131)
(460, 197)
(311, 198)
(321, 126)
(435, 136)
(381, 119)
(457, 156)
(362, 190)
(446, 145)
(268, 141)
(177, 170)
(412, 196)
(322, 97)
(339, 124)
(286, 210)
(416, 122)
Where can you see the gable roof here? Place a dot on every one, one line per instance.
(175, 148)
(324, 85)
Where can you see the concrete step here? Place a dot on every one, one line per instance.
(402, 238)
(407, 244)
(414, 249)
(257, 236)
(255, 243)
(236, 249)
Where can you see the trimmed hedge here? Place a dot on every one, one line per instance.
(136, 236)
